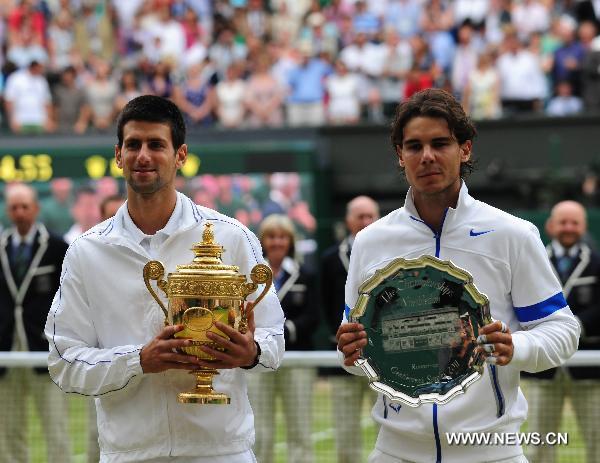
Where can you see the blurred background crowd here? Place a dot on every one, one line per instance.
(71, 65)
(70, 207)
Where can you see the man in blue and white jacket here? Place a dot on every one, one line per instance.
(106, 333)
(534, 328)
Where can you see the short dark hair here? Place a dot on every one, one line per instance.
(439, 104)
(151, 108)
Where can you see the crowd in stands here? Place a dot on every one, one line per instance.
(71, 65)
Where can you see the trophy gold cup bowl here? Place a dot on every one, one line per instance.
(201, 293)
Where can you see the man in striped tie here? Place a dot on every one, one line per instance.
(30, 265)
(578, 267)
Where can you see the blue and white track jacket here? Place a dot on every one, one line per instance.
(509, 264)
(103, 315)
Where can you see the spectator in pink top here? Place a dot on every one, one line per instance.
(264, 96)
(191, 27)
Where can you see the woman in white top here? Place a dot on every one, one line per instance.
(230, 97)
(343, 89)
(295, 287)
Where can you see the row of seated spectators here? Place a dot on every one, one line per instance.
(71, 65)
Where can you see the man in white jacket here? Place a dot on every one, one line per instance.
(106, 333)
(534, 328)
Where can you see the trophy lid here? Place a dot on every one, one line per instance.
(207, 258)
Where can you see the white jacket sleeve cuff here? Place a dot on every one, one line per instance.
(521, 349)
(358, 371)
(272, 346)
(95, 372)
(547, 343)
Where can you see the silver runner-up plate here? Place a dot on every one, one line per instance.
(422, 317)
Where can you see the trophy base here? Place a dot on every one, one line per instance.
(215, 398)
(203, 393)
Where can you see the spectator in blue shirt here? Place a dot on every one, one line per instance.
(403, 15)
(307, 89)
(365, 21)
(564, 103)
(568, 59)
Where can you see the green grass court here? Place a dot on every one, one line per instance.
(323, 432)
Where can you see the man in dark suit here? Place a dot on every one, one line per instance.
(590, 77)
(30, 265)
(348, 391)
(578, 268)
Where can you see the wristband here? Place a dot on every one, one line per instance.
(256, 359)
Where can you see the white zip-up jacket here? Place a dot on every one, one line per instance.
(509, 264)
(103, 315)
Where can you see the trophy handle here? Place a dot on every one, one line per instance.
(260, 274)
(154, 270)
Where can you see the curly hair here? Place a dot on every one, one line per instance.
(439, 104)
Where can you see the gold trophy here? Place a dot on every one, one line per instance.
(201, 293)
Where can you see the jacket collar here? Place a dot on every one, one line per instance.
(38, 234)
(28, 239)
(115, 231)
(172, 225)
(559, 251)
(292, 268)
(39, 248)
(344, 251)
(290, 265)
(465, 201)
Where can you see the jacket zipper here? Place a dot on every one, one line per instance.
(436, 433)
(497, 391)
